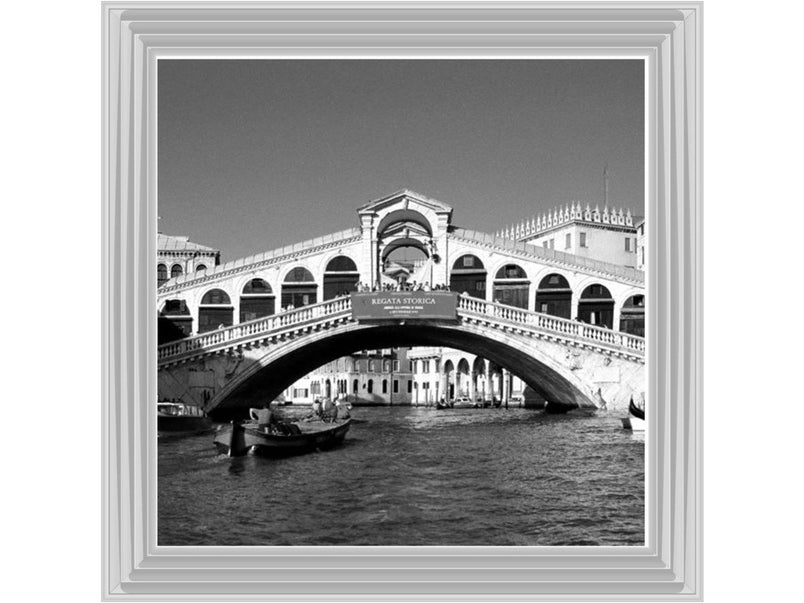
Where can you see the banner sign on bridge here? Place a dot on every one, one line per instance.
(401, 305)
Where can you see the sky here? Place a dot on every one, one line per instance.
(254, 155)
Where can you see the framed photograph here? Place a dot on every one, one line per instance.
(402, 301)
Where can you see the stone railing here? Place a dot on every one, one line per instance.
(261, 260)
(553, 324)
(551, 256)
(253, 329)
(341, 308)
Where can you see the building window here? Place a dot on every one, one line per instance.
(583, 239)
(315, 388)
(544, 244)
(396, 365)
(628, 244)
(385, 386)
(200, 267)
(552, 243)
(396, 386)
(410, 385)
(426, 367)
(370, 366)
(175, 271)
(567, 241)
(386, 367)
(370, 386)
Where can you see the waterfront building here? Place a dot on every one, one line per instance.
(177, 255)
(611, 235)
(641, 244)
(440, 372)
(417, 376)
(367, 377)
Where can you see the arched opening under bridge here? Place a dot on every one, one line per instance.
(267, 377)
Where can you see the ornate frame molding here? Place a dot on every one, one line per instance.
(666, 35)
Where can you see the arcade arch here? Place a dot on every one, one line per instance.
(511, 286)
(468, 275)
(554, 296)
(340, 277)
(299, 288)
(161, 274)
(632, 316)
(448, 375)
(596, 306)
(256, 300)
(175, 321)
(214, 311)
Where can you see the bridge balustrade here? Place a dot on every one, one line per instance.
(555, 324)
(517, 317)
(255, 327)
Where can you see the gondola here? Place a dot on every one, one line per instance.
(635, 410)
(279, 439)
(636, 420)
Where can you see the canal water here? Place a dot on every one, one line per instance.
(416, 476)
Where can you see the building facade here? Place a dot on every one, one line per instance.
(369, 377)
(177, 255)
(445, 373)
(610, 235)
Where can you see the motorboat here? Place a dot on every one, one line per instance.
(177, 418)
(463, 402)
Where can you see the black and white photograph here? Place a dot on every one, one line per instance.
(401, 302)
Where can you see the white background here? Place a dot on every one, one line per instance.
(50, 236)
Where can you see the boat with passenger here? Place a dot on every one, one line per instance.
(268, 435)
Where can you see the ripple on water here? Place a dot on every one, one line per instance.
(414, 476)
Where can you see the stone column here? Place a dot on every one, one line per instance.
(368, 250)
(472, 377)
(616, 317)
(444, 391)
(506, 387)
(576, 295)
(487, 386)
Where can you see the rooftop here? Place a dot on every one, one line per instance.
(180, 243)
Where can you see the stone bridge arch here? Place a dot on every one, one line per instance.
(255, 376)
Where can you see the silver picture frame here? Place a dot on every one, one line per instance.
(666, 35)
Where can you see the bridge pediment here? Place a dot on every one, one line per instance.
(405, 200)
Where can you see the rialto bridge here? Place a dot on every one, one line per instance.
(254, 326)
